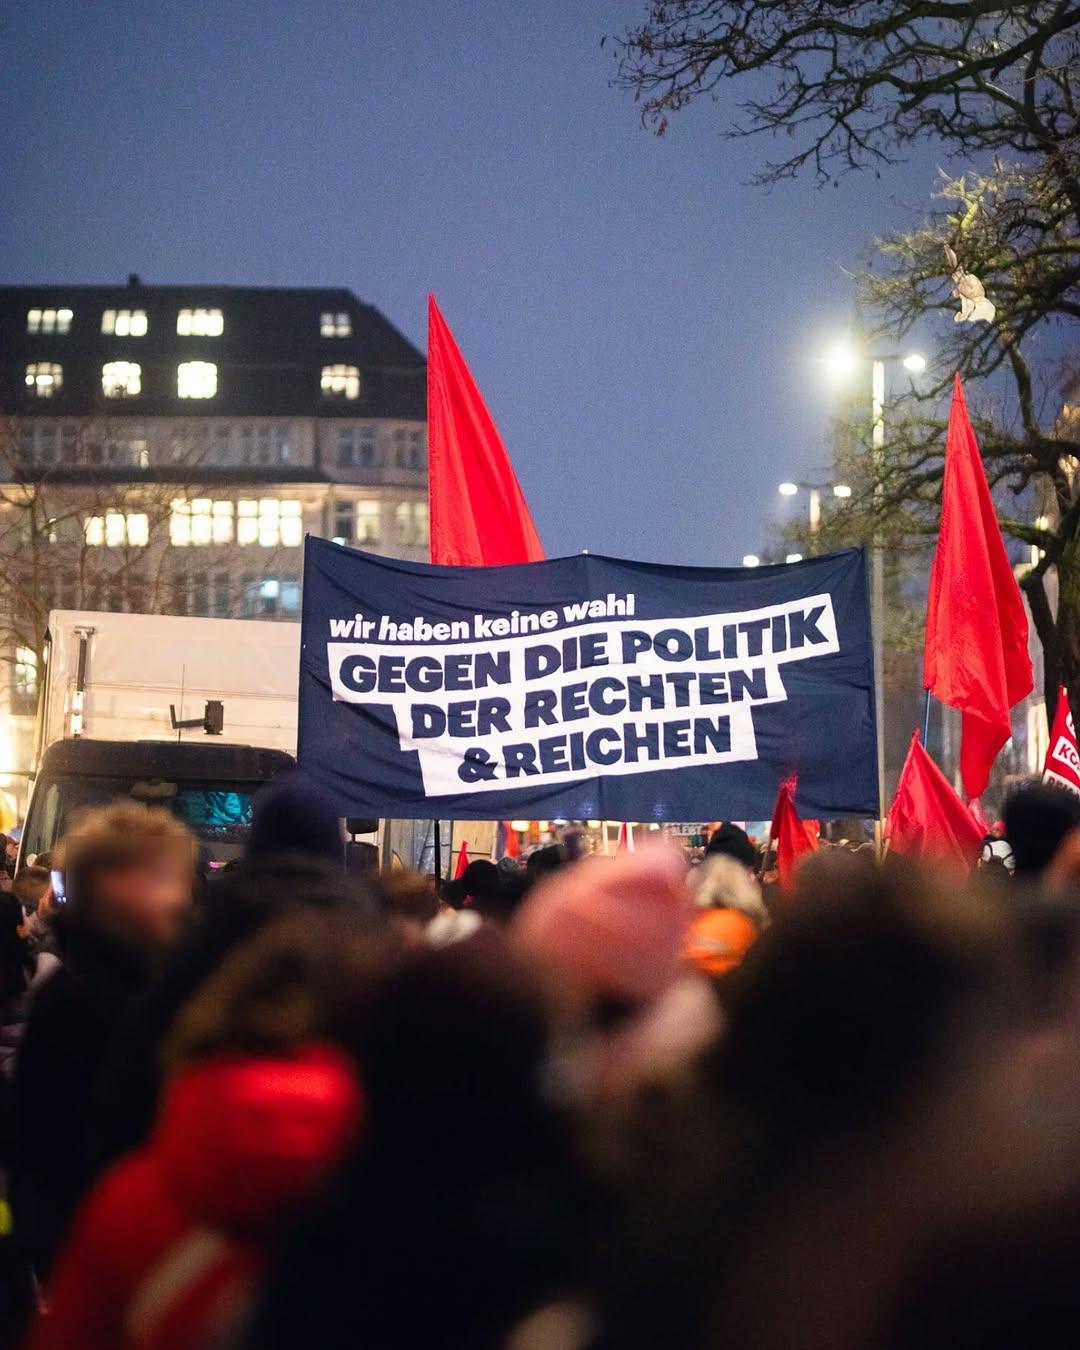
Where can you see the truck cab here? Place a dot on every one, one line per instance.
(209, 786)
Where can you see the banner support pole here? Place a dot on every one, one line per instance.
(926, 720)
(438, 847)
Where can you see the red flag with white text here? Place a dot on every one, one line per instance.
(1062, 758)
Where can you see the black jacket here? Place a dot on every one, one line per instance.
(74, 1018)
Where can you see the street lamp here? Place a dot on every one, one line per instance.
(751, 560)
(815, 490)
(842, 361)
(793, 557)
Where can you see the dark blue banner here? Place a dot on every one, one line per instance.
(586, 688)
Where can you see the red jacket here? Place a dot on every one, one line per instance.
(165, 1248)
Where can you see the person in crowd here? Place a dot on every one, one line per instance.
(866, 1091)
(294, 863)
(128, 876)
(410, 901)
(730, 915)
(731, 841)
(262, 1101)
(33, 888)
(1042, 823)
(460, 1212)
(606, 936)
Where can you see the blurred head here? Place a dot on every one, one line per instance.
(730, 841)
(295, 815)
(30, 886)
(608, 930)
(302, 978)
(129, 871)
(410, 899)
(1039, 817)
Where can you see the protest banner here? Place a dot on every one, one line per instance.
(586, 687)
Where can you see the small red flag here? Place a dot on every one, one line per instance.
(479, 516)
(1062, 758)
(927, 819)
(626, 839)
(462, 859)
(791, 836)
(976, 656)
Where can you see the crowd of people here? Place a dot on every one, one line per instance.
(583, 1103)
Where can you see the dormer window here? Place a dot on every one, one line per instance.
(335, 325)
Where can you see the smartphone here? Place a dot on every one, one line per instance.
(56, 881)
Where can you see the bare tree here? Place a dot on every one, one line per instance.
(853, 85)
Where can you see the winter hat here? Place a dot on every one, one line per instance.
(734, 842)
(609, 928)
(295, 815)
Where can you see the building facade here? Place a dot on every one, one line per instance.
(165, 449)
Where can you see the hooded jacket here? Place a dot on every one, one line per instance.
(163, 1252)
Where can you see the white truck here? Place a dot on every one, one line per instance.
(193, 714)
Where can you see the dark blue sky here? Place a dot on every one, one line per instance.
(641, 324)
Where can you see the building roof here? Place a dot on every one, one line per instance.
(269, 356)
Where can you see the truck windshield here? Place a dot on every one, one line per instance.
(218, 814)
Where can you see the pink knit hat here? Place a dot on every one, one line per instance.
(609, 926)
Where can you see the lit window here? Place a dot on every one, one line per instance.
(200, 323)
(25, 674)
(48, 321)
(367, 522)
(335, 325)
(201, 522)
(121, 379)
(270, 522)
(341, 381)
(44, 378)
(196, 379)
(124, 322)
(116, 530)
(412, 522)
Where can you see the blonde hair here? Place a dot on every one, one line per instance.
(123, 834)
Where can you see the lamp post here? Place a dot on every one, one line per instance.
(814, 490)
(842, 362)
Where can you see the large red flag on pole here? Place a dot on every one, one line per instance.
(479, 516)
(1062, 758)
(976, 656)
(791, 836)
(927, 819)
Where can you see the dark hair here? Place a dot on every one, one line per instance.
(30, 885)
(1038, 816)
(16, 957)
(733, 842)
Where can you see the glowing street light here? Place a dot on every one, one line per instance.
(914, 363)
(788, 489)
(841, 490)
(751, 560)
(793, 557)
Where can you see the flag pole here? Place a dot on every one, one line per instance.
(438, 847)
(926, 720)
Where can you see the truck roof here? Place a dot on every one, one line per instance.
(165, 759)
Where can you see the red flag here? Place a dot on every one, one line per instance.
(626, 839)
(479, 516)
(976, 656)
(791, 836)
(1062, 759)
(927, 818)
(462, 859)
